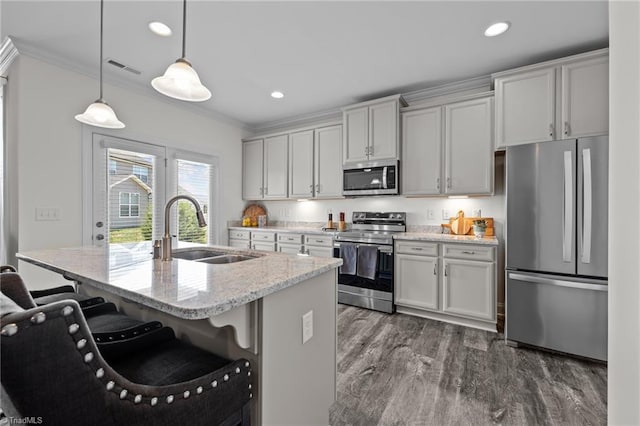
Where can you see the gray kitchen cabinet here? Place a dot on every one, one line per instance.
(448, 149)
(239, 238)
(561, 99)
(275, 167)
(372, 131)
(252, 170)
(318, 245)
(315, 166)
(290, 243)
(447, 282)
(263, 240)
(264, 168)
(422, 151)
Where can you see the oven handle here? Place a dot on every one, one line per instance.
(381, 248)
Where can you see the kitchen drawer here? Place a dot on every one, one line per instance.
(468, 252)
(240, 244)
(318, 240)
(319, 251)
(239, 235)
(418, 248)
(263, 236)
(289, 248)
(263, 246)
(290, 238)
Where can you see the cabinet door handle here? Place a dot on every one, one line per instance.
(435, 269)
(371, 150)
(566, 128)
(551, 130)
(266, 190)
(318, 188)
(468, 252)
(448, 183)
(445, 270)
(438, 184)
(366, 150)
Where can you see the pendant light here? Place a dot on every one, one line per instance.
(180, 80)
(99, 113)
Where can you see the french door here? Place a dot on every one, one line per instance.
(129, 191)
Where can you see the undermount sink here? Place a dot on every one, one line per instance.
(195, 254)
(230, 258)
(206, 255)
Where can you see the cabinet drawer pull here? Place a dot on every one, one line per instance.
(320, 241)
(289, 239)
(416, 248)
(468, 252)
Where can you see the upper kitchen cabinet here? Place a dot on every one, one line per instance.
(315, 167)
(448, 149)
(264, 168)
(372, 131)
(560, 99)
(252, 188)
(327, 166)
(469, 147)
(421, 151)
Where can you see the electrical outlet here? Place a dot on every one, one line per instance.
(446, 214)
(476, 213)
(431, 214)
(47, 213)
(307, 327)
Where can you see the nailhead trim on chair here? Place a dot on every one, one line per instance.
(11, 329)
(38, 318)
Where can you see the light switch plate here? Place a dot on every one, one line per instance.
(47, 213)
(446, 214)
(307, 327)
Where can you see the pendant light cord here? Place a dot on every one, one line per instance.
(101, 42)
(184, 27)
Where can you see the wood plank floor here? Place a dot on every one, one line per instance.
(403, 370)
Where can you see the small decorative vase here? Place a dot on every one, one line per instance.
(479, 231)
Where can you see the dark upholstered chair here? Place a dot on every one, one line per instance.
(53, 368)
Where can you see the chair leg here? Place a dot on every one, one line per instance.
(246, 414)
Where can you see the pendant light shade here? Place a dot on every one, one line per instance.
(99, 113)
(180, 80)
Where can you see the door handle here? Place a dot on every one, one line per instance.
(556, 282)
(99, 224)
(567, 207)
(587, 208)
(99, 237)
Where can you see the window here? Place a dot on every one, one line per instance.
(113, 167)
(194, 179)
(129, 204)
(141, 173)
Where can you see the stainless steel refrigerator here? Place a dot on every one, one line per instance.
(556, 232)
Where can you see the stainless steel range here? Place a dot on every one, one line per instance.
(366, 277)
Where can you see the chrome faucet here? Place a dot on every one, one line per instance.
(166, 239)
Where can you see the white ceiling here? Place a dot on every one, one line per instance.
(322, 54)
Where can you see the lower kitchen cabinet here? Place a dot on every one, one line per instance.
(239, 238)
(447, 282)
(468, 288)
(289, 248)
(417, 281)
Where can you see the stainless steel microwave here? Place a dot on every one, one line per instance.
(373, 178)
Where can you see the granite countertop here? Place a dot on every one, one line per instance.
(428, 235)
(446, 238)
(183, 288)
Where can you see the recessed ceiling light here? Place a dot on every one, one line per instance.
(496, 29)
(277, 95)
(160, 29)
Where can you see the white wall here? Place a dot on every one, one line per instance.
(624, 209)
(46, 143)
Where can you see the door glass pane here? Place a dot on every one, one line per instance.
(194, 179)
(130, 197)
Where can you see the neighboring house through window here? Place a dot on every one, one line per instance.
(129, 204)
(141, 173)
(113, 167)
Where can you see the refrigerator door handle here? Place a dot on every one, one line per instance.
(587, 211)
(556, 282)
(567, 208)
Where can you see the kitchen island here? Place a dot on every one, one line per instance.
(252, 308)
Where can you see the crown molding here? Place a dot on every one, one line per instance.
(35, 52)
(8, 52)
(314, 119)
(482, 83)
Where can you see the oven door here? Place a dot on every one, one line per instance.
(368, 293)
